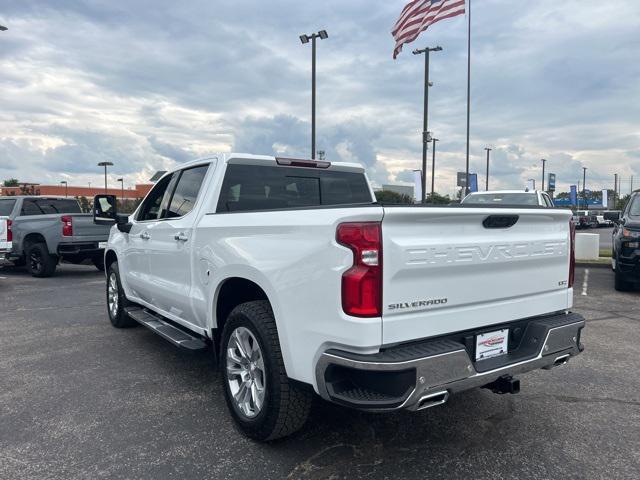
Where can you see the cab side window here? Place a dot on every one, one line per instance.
(152, 207)
(186, 192)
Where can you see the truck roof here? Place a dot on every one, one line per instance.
(490, 192)
(259, 159)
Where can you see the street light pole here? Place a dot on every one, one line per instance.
(487, 181)
(425, 112)
(584, 186)
(121, 180)
(615, 190)
(543, 162)
(433, 166)
(105, 165)
(64, 182)
(322, 34)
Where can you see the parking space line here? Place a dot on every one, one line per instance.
(585, 282)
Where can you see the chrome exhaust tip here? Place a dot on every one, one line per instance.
(561, 360)
(433, 400)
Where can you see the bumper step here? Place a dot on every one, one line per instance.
(166, 330)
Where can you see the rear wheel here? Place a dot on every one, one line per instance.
(622, 284)
(263, 401)
(40, 262)
(116, 300)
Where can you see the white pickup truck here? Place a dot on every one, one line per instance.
(299, 282)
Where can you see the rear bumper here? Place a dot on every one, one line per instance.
(423, 374)
(79, 248)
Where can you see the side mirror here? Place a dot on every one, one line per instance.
(104, 209)
(613, 216)
(122, 222)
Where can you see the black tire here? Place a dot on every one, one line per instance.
(286, 403)
(118, 316)
(98, 262)
(621, 284)
(40, 263)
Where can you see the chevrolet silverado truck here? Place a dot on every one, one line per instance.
(41, 231)
(299, 282)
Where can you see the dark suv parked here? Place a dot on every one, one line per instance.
(626, 244)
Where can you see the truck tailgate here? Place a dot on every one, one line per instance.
(84, 230)
(452, 269)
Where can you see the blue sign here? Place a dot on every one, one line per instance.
(552, 182)
(473, 182)
(573, 195)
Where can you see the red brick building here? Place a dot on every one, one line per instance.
(139, 191)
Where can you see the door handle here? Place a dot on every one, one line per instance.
(145, 236)
(181, 237)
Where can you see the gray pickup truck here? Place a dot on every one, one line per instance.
(44, 230)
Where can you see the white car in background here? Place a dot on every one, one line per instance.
(509, 197)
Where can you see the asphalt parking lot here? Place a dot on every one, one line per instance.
(80, 399)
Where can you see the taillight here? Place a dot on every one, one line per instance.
(9, 231)
(572, 253)
(362, 283)
(67, 226)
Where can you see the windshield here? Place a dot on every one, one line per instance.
(501, 199)
(634, 210)
(6, 207)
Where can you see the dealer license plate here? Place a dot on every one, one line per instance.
(492, 344)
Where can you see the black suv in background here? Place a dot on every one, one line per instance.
(626, 244)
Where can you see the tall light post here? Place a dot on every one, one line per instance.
(487, 179)
(534, 182)
(322, 34)
(105, 165)
(433, 166)
(121, 180)
(64, 182)
(425, 120)
(543, 160)
(584, 186)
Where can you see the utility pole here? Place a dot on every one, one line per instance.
(487, 179)
(121, 180)
(425, 112)
(615, 190)
(433, 166)
(543, 162)
(322, 34)
(584, 187)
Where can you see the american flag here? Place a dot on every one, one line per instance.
(417, 15)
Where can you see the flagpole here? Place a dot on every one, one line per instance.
(466, 188)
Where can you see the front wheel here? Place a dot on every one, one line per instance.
(263, 401)
(116, 300)
(621, 284)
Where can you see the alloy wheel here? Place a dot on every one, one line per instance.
(245, 372)
(112, 295)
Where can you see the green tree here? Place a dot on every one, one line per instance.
(388, 196)
(437, 199)
(11, 182)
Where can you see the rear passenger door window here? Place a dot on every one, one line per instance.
(29, 207)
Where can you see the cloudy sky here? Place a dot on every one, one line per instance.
(146, 84)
